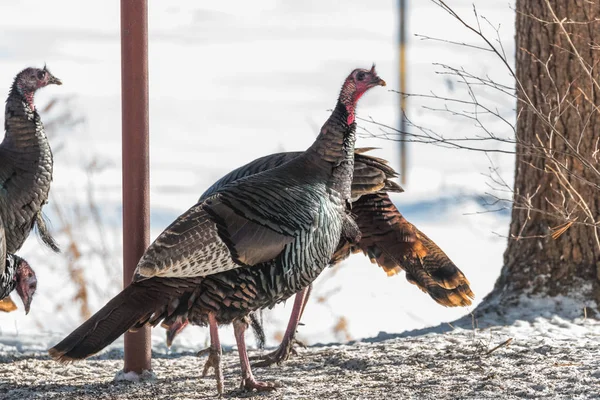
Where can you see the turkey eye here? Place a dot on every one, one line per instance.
(40, 74)
(360, 76)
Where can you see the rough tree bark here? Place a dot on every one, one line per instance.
(554, 81)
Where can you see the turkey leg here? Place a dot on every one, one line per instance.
(282, 353)
(248, 381)
(214, 353)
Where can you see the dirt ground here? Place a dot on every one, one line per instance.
(545, 359)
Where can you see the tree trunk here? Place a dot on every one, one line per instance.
(552, 80)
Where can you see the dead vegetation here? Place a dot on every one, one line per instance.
(77, 221)
(487, 102)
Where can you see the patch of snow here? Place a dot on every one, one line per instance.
(131, 376)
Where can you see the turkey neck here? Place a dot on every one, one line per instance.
(25, 143)
(333, 150)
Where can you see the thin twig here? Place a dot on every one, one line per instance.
(503, 344)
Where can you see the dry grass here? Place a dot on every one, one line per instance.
(82, 231)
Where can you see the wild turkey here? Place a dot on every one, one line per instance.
(388, 239)
(25, 161)
(252, 244)
(395, 244)
(15, 273)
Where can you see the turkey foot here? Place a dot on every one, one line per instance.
(251, 384)
(214, 361)
(281, 354)
(287, 345)
(248, 381)
(214, 354)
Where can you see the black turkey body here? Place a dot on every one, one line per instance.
(25, 163)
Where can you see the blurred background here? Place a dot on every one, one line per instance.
(233, 81)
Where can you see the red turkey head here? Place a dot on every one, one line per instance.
(26, 283)
(31, 79)
(356, 84)
(365, 79)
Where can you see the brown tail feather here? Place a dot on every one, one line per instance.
(458, 296)
(372, 174)
(394, 244)
(439, 266)
(134, 303)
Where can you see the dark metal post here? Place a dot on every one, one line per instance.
(402, 68)
(136, 197)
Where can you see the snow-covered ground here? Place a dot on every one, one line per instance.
(546, 358)
(232, 81)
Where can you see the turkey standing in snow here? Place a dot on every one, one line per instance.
(252, 244)
(25, 161)
(15, 273)
(388, 239)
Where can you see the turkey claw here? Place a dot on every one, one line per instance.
(203, 352)
(214, 361)
(281, 354)
(250, 384)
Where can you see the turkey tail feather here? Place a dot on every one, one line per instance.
(372, 174)
(44, 233)
(104, 327)
(123, 312)
(395, 244)
(439, 266)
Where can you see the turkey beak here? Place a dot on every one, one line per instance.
(54, 80)
(26, 298)
(27, 303)
(378, 81)
(171, 333)
(173, 330)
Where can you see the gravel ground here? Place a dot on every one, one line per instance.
(547, 358)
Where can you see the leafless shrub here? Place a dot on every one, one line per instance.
(564, 159)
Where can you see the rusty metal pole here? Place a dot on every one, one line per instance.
(136, 197)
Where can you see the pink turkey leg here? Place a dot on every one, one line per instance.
(214, 353)
(248, 381)
(306, 294)
(282, 353)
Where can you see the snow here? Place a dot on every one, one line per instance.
(225, 83)
(230, 82)
(131, 376)
(547, 357)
